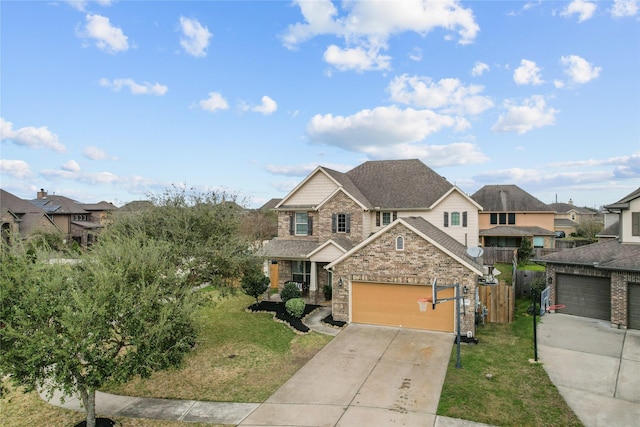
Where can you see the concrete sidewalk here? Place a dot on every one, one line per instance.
(596, 368)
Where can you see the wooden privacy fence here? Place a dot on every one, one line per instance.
(499, 301)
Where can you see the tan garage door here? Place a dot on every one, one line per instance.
(397, 305)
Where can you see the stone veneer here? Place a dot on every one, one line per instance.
(419, 263)
(620, 281)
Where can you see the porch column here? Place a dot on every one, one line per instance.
(313, 284)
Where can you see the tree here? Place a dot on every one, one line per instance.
(525, 251)
(588, 228)
(254, 283)
(117, 311)
(203, 229)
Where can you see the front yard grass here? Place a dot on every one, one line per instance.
(240, 357)
(519, 392)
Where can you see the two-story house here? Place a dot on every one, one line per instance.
(602, 280)
(21, 218)
(80, 222)
(379, 235)
(509, 214)
(569, 216)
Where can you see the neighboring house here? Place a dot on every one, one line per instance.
(386, 227)
(568, 216)
(509, 214)
(18, 216)
(602, 280)
(78, 221)
(611, 232)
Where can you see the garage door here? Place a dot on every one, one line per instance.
(634, 305)
(397, 305)
(584, 296)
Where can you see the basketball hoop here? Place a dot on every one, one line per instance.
(423, 302)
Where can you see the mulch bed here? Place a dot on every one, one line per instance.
(280, 313)
(100, 422)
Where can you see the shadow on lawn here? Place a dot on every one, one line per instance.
(280, 314)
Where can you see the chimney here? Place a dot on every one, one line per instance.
(570, 202)
(42, 194)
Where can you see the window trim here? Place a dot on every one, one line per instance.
(455, 219)
(399, 243)
(299, 222)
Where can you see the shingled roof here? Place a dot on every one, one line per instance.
(508, 198)
(28, 214)
(505, 230)
(397, 184)
(608, 255)
(564, 208)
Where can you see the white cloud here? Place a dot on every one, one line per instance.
(143, 88)
(456, 154)
(528, 73)
(579, 69)
(380, 127)
(367, 26)
(622, 8)
(531, 114)
(107, 37)
(71, 166)
(214, 102)
(18, 169)
(195, 38)
(95, 153)
(357, 58)
(267, 107)
(303, 169)
(81, 5)
(584, 10)
(479, 68)
(30, 136)
(416, 54)
(625, 166)
(449, 95)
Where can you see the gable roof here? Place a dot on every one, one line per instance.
(564, 208)
(430, 233)
(624, 203)
(28, 214)
(399, 183)
(59, 205)
(611, 231)
(386, 184)
(507, 230)
(607, 255)
(508, 198)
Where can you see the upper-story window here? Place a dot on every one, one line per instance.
(635, 223)
(302, 224)
(80, 217)
(502, 218)
(341, 223)
(457, 219)
(386, 218)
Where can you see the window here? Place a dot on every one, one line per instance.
(386, 218)
(573, 216)
(446, 219)
(538, 242)
(494, 219)
(341, 223)
(464, 219)
(512, 218)
(301, 271)
(399, 243)
(503, 218)
(635, 223)
(302, 223)
(455, 219)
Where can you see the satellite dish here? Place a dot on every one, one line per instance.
(475, 252)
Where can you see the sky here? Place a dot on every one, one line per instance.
(117, 100)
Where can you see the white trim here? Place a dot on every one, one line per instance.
(451, 190)
(303, 182)
(346, 193)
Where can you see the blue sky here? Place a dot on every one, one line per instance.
(113, 100)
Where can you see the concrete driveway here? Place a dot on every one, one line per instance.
(367, 375)
(596, 368)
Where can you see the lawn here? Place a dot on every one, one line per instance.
(240, 357)
(519, 393)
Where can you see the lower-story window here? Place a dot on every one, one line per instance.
(301, 271)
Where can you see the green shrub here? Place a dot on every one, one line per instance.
(254, 283)
(289, 291)
(295, 307)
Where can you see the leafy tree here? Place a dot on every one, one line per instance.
(588, 228)
(260, 225)
(203, 229)
(289, 291)
(255, 283)
(120, 310)
(525, 251)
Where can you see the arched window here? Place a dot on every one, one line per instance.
(399, 243)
